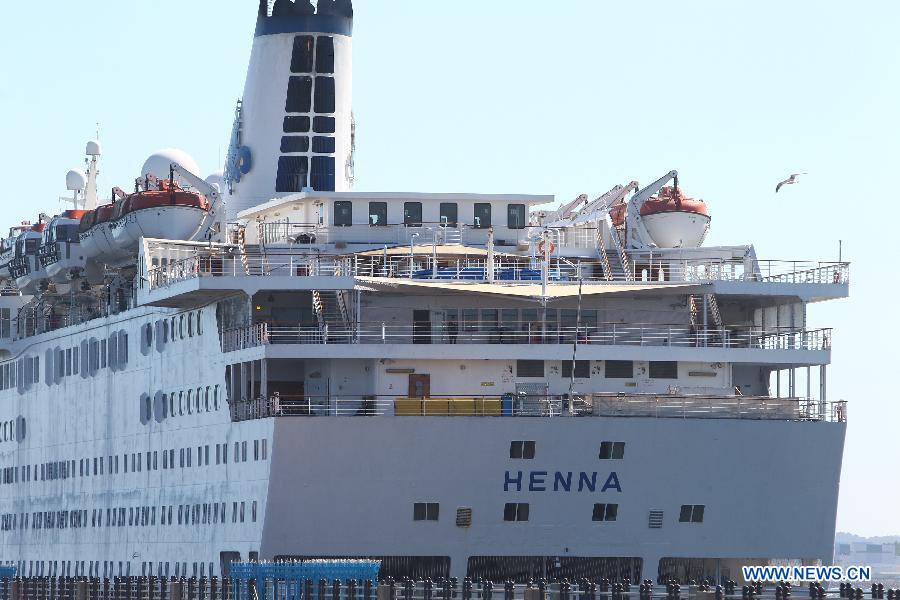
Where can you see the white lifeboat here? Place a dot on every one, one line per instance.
(169, 212)
(96, 240)
(25, 267)
(61, 253)
(8, 250)
(671, 219)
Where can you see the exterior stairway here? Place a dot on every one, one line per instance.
(332, 316)
(711, 324)
(617, 270)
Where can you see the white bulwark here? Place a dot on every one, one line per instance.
(458, 384)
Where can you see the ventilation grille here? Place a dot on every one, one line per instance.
(656, 519)
(463, 517)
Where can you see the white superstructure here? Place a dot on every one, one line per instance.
(268, 364)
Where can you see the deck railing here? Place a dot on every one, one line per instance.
(173, 263)
(513, 405)
(531, 333)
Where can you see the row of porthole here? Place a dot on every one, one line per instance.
(178, 327)
(163, 406)
(13, 430)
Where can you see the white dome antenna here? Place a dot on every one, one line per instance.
(93, 148)
(75, 181)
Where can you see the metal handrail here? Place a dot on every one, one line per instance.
(513, 405)
(528, 332)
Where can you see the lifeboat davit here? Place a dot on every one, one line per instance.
(671, 219)
(169, 212)
(96, 239)
(25, 266)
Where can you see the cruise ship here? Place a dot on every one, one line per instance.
(266, 364)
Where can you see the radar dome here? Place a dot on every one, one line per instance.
(75, 181)
(93, 148)
(159, 162)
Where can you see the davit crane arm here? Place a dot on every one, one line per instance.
(214, 226)
(636, 234)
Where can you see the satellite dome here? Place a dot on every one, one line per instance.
(93, 148)
(159, 162)
(75, 181)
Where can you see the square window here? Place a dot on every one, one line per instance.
(522, 450)
(482, 216)
(582, 369)
(324, 95)
(294, 144)
(697, 513)
(299, 95)
(449, 214)
(302, 56)
(325, 54)
(619, 369)
(529, 368)
(412, 214)
(296, 125)
(618, 450)
(515, 511)
(599, 512)
(516, 215)
(663, 370)
(686, 511)
(612, 511)
(378, 214)
(343, 213)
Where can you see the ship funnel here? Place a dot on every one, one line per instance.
(293, 127)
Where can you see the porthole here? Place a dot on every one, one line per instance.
(165, 330)
(181, 403)
(174, 331)
(190, 395)
(181, 327)
(197, 399)
(145, 408)
(190, 326)
(206, 399)
(199, 322)
(172, 404)
(216, 398)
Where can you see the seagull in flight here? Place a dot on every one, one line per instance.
(789, 181)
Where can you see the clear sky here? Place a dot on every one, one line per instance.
(557, 97)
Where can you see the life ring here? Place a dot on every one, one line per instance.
(837, 277)
(543, 246)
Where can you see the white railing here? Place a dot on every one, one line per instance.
(243, 338)
(172, 263)
(608, 334)
(512, 405)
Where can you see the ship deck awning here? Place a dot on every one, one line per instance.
(554, 290)
(442, 250)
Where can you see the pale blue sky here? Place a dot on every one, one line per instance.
(542, 97)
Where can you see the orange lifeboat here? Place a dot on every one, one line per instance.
(671, 200)
(672, 219)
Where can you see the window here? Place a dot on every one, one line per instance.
(515, 216)
(582, 369)
(296, 124)
(412, 214)
(302, 56)
(426, 511)
(323, 145)
(324, 96)
(323, 173)
(293, 174)
(299, 96)
(343, 213)
(619, 369)
(449, 214)
(529, 368)
(377, 214)
(482, 216)
(612, 450)
(605, 512)
(513, 511)
(325, 54)
(663, 369)
(522, 449)
(692, 513)
(324, 124)
(295, 143)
